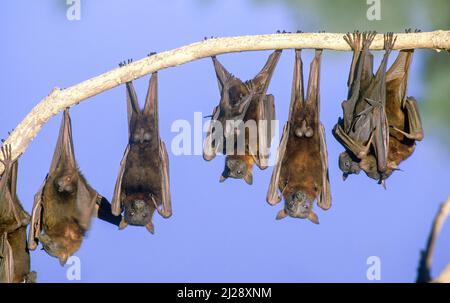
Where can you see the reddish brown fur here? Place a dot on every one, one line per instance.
(302, 167)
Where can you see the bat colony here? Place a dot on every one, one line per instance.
(378, 130)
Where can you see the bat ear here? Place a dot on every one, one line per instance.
(223, 178)
(150, 227)
(313, 217)
(63, 259)
(281, 214)
(123, 224)
(249, 178)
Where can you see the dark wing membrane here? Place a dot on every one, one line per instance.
(273, 196)
(6, 260)
(116, 203)
(262, 80)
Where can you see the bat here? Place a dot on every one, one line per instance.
(143, 184)
(405, 126)
(300, 175)
(364, 130)
(242, 103)
(65, 203)
(14, 254)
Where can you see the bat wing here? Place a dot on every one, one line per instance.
(397, 76)
(210, 151)
(116, 204)
(151, 104)
(223, 76)
(266, 132)
(273, 197)
(6, 260)
(165, 182)
(262, 80)
(36, 219)
(132, 105)
(324, 200)
(104, 212)
(64, 146)
(86, 202)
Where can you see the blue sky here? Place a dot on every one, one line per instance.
(219, 232)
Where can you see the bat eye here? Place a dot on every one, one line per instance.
(239, 172)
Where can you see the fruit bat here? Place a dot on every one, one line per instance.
(143, 183)
(242, 103)
(363, 130)
(65, 204)
(405, 126)
(14, 254)
(300, 175)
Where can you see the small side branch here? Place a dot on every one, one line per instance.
(58, 99)
(426, 258)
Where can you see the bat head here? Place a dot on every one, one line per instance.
(298, 205)
(141, 134)
(66, 181)
(237, 168)
(347, 165)
(137, 212)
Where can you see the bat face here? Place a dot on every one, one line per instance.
(138, 212)
(298, 205)
(66, 182)
(347, 165)
(237, 168)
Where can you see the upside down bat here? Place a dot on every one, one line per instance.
(143, 183)
(65, 204)
(300, 175)
(14, 254)
(247, 105)
(405, 126)
(363, 130)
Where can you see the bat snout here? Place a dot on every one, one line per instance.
(138, 213)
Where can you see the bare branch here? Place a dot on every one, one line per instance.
(58, 99)
(424, 270)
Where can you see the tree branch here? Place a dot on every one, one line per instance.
(424, 270)
(58, 99)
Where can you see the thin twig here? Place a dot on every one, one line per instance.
(426, 259)
(58, 99)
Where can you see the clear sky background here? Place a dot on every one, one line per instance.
(219, 232)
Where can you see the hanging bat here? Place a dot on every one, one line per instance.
(364, 130)
(14, 254)
(405, 126)
(242, 103)
(65, 204)
(143, 184)
(300, 175)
